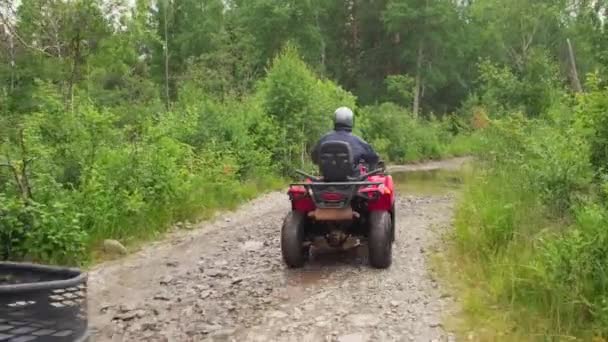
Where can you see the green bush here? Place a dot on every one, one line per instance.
(532, 221)
(591, 111)
(300, 103)
(94, 175)
(574, 277)
(127, 171)
(399, 137)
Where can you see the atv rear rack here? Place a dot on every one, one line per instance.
(358, 183)
(351, 181)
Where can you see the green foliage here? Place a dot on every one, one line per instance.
(591, 111)
(574, 275)
(400, 88)
(533, 220)
(532, 90)
(398, 137)
(300, 103)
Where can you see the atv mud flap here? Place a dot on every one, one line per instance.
(331, 214)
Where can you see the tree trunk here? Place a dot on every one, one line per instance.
(576, 82)
(323, 44)
(76, 59)
(418, 85)
(11, 45)
(354, 29)
(166, 57)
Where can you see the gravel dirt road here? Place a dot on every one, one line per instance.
(225, 281)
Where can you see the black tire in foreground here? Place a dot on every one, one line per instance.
(393, 228)
(42, 303)
(292, 240)
(380, 242)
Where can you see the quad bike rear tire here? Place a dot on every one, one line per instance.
(393, 230)
(380, 242)
(292, 240)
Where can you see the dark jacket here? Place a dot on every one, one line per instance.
(361, 150)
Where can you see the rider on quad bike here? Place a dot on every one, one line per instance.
(353, 197)
(343, 126)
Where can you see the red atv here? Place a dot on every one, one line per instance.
(342, 203)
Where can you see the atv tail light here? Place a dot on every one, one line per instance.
(331, 196)
(297, 193)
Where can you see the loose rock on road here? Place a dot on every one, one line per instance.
(225, 281)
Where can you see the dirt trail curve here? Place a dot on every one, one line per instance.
(225, 281)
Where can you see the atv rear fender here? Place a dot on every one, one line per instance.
(379, 197)
(385, 201)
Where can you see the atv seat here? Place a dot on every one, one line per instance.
(336, 161)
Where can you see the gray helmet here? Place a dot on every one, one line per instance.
(343, 118)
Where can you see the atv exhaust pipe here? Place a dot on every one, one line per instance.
(332, 214)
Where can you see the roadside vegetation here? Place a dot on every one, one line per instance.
(530, 229)
(529, 251)
(117, 121)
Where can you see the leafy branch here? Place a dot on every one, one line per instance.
(20, 172)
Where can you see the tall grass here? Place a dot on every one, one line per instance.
(530, 242)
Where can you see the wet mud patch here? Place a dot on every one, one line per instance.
(431, 182)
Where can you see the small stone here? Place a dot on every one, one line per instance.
(114, 247)
(221, 263)
(209, 328)
(166, 280)
(205, 294)
(363, 320)
(223, 333)
(252, 246)
(321, 324)
(216, 273)
(148, 326)
(129, 315)
(394, 303)
(238, 280)
(162, 297)
(126, 308)
(277, 314)
(187, 312)
(433, 323)
(356, 337)
(309, 307)
(172, 264)
(201, 287)
(105, 308)
(311, 337)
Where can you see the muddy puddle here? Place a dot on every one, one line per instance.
(325, 267)
(428, 182)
